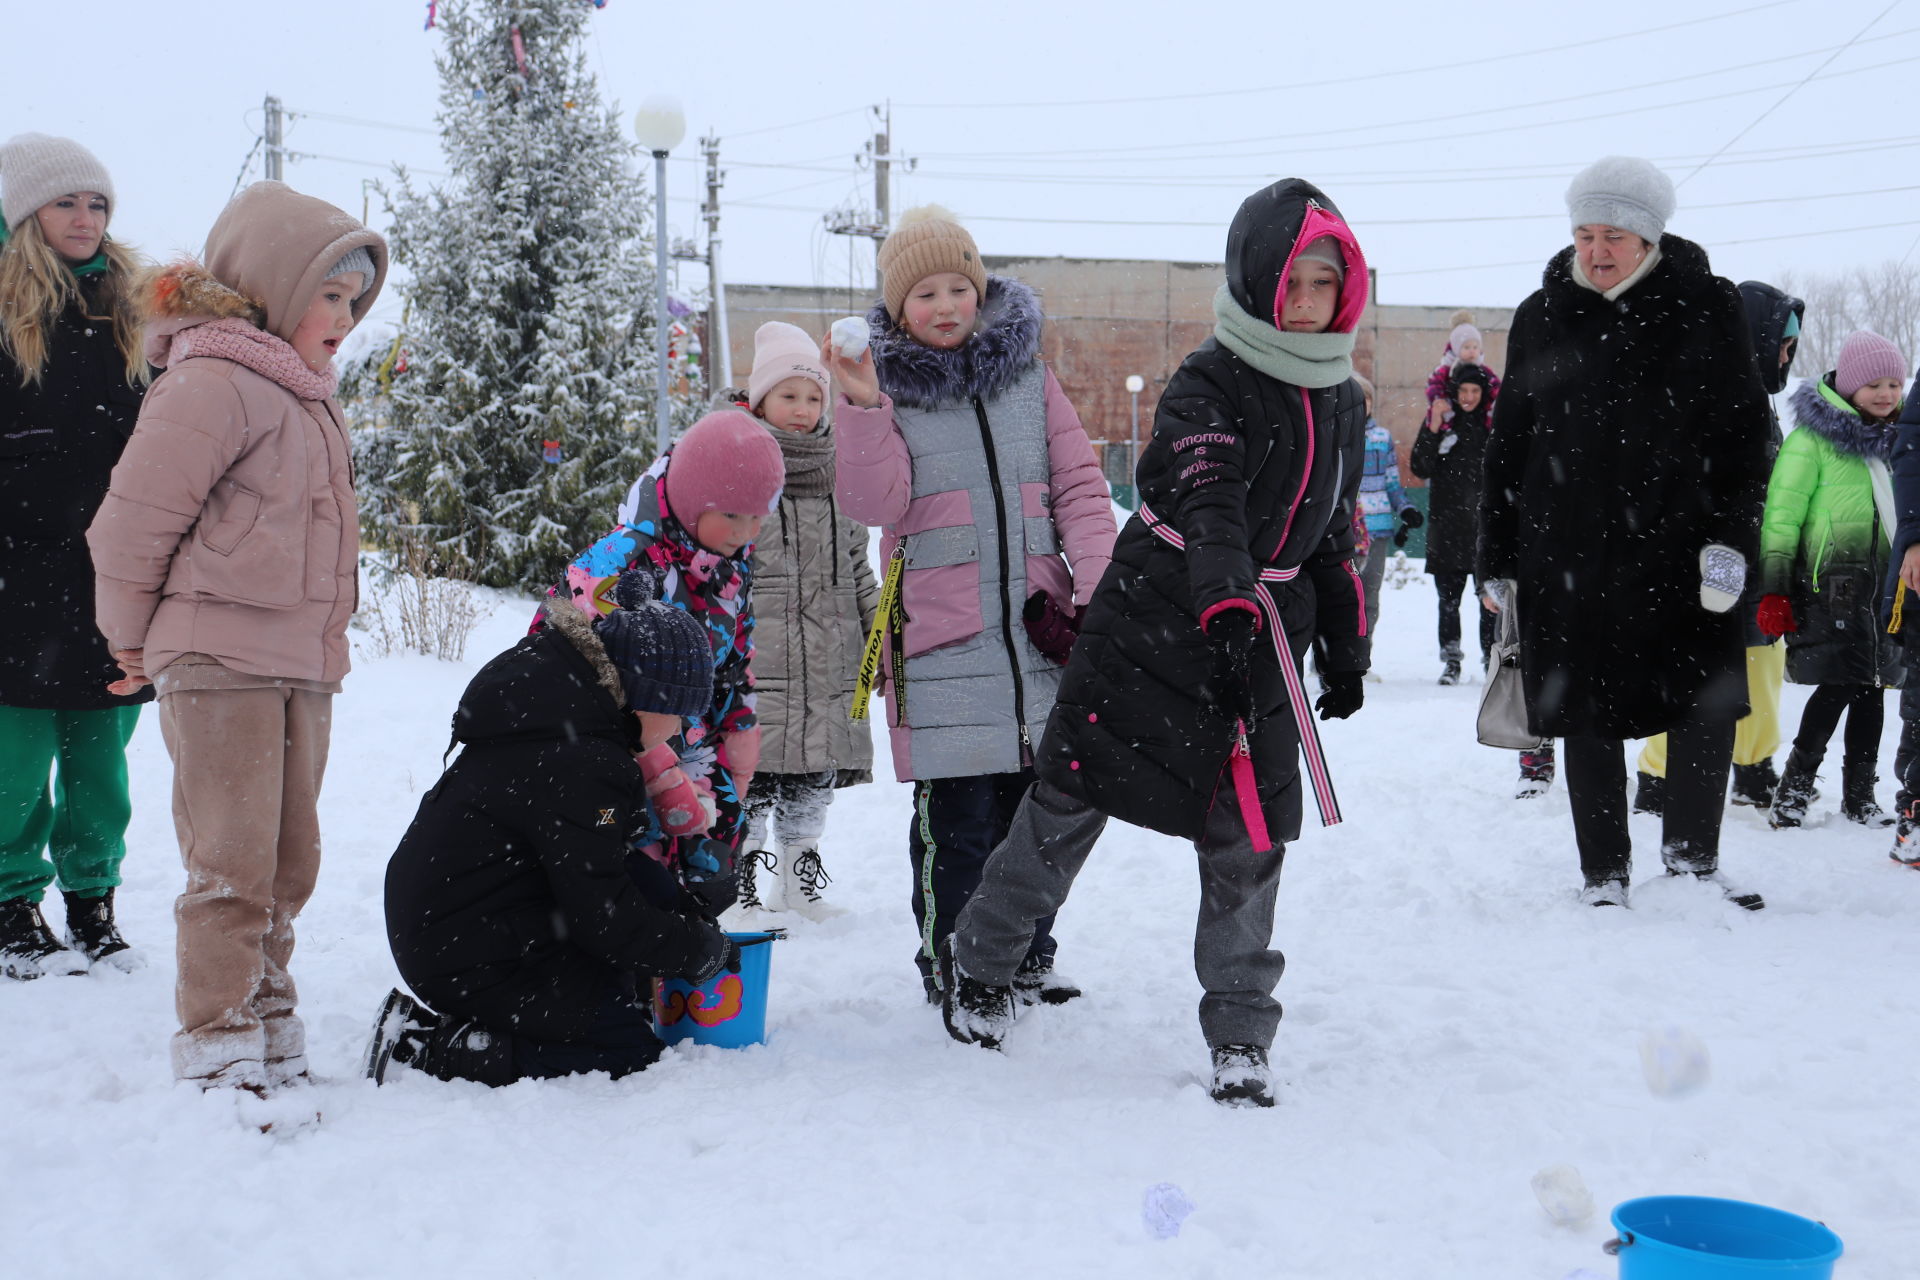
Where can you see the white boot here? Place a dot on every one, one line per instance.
(802, 877)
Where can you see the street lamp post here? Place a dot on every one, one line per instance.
(1135, 385)
(659, 124)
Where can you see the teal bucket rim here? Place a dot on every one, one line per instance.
(1635, 1237)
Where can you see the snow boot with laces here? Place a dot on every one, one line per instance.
(1650, 796)
(1857, 779)
(28, 948)
(1037, 982)
(803, 875)
(1241, 1076)
(751, 865)
(92, 932)
(1754, 784)
(1795, 792)
(974, 1012)
(1536, 773)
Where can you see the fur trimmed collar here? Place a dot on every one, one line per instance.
(1815, 408)
(1004, 343)
(577, 629)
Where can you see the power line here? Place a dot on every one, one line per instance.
(1338, 81)
(362, 122)
(1790, 92)
(1097, 155)
(775, 128)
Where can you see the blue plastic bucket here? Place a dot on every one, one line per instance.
(729, 1010)
(1701, 1238)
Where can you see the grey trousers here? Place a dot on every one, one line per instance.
(1030, 874)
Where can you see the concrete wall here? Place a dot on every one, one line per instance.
(1107, 318)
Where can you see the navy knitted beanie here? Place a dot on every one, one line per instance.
(662, 655)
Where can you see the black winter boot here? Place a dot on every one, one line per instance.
(1038, 982)
(91, 931)
(1857, 804)
(1241, 1076)
(28, 949)
(1651, 795)
(1795, 792)
(399, 1031)
(1754, 784)
(975, 1012)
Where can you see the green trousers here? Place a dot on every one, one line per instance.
(63, 791)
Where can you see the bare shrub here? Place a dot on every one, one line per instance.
(416, 605)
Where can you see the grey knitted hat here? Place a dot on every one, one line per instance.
(1624, 192)
(1327, 250)
(36, 168)
(357, 260)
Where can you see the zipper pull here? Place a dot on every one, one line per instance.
(1026, 743)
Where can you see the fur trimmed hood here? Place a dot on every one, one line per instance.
(1815, 409)
(183, 294)
(578, 630)
(1004, 343)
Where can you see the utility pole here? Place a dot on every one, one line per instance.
(873, 224)
(722, 356)
(276, 154)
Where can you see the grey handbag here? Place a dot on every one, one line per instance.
(1503, 707)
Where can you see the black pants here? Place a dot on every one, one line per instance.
(1699, 758)
(957, 822)
(1451, 587)
(619, 1040)
(1865, 707)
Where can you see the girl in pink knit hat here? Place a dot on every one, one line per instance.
(1824, 548)
(691, 521)
(815, 597)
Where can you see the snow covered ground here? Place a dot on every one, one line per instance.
(1455, 1023)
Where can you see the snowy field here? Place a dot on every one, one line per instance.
(1455, 1022)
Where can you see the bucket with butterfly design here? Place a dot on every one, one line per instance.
(730, 1009)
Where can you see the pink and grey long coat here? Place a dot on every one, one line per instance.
(977, 469)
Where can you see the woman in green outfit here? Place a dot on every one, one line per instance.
(1823, 554)
(71, 378)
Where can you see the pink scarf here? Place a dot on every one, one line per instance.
(236, 340)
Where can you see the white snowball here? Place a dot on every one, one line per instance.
(1675, 1061)
(1564, 1196)
(850, 336)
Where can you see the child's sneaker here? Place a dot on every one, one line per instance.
(1906, 835)
(1037, 982)
(1241, 1076)
(975, 1012)
(1536, 773)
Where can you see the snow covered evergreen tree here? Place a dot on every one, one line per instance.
(530, 318)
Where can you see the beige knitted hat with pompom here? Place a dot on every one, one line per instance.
(925, 242)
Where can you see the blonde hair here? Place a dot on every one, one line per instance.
(36, 286)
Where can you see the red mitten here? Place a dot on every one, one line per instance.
(1775, 616)
(677, 800)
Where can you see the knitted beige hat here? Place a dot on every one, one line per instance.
(925, 242)
(36, 168)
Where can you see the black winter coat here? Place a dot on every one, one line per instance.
(1905, 466)
(1627, 436)
(59, 440)
(509, 899)
(1252, 472)
(1453, 489)
(1767, 311)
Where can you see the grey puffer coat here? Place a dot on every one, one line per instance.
(814, 597)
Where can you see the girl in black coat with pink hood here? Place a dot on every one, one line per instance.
(1181, 707)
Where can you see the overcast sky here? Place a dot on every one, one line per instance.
(1121, 129)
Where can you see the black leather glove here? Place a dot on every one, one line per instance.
(1230, 633)
(1342, 696)
(1411, 517)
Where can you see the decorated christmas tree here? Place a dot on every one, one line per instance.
(518, 405)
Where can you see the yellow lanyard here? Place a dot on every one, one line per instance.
(889, 620)
(1899, 599)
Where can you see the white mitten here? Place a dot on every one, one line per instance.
(1723, 576)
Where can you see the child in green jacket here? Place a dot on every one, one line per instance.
(1823, 553)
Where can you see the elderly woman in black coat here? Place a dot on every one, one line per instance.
(1625, 479)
